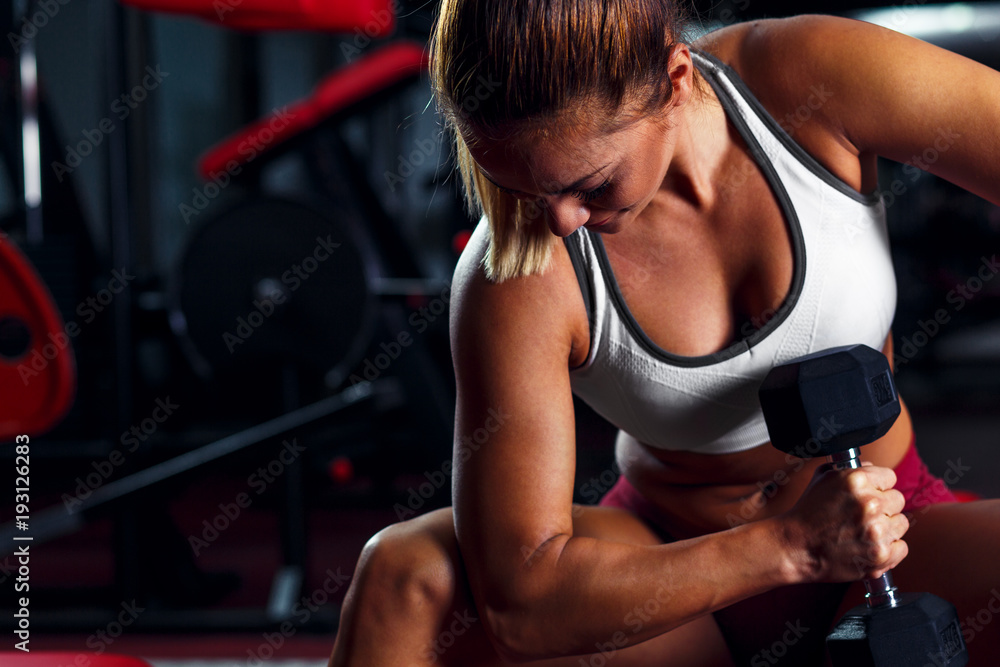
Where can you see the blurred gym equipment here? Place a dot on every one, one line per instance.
(274, 302)
(37, 366)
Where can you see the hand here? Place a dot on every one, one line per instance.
(847, 525)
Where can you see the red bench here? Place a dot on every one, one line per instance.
(375, 17)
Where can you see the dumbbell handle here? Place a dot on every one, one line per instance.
(881, 591)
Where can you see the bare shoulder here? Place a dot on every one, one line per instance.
(785, 61)
(546, 307)
(778, 60)
(779, 54)
(873, 91)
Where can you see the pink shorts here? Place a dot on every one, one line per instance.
(919, 487)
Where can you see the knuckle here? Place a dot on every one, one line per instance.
(857, 480)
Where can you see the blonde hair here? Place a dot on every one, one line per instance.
(503, 67)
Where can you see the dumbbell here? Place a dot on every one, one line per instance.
(831, 403)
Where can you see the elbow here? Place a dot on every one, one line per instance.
(518, 635)
(522, 620)
(520, 607)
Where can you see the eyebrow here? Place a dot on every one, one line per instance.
(569, 188)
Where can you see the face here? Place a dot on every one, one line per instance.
(583, 177)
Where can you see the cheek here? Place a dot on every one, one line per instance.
(638, 189)
(644, 177)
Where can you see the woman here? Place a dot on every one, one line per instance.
(655, 241)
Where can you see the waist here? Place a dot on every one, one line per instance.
(697, 494)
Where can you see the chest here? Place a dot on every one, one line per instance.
(697, 280)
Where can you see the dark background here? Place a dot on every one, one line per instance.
(365, 466)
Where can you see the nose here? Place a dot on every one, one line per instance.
(566, 214)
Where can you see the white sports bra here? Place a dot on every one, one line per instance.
(843, 291)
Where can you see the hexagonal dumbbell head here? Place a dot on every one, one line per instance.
(829, 401)
(921, 629)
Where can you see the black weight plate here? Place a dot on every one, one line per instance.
(274, 280)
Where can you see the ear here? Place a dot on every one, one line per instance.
(681, 72)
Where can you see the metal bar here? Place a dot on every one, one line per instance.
(31, 150)
(120, 232)
(849, 458)
(881, 591)
(56, 521)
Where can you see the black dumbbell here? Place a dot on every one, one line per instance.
(831, 403)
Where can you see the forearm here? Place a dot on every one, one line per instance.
(579, 593)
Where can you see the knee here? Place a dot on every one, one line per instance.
(405, 568)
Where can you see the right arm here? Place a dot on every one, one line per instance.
(540, 590)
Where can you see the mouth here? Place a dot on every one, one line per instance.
(591, 225)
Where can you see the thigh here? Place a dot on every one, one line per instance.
(466, 642)
(954, 553)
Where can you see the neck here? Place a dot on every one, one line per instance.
(699, 154)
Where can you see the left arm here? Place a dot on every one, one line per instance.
(896, 96)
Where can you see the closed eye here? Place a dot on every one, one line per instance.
(515, 193)
(590, 195)
(583, 195)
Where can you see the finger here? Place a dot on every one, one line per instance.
(884, 538)
(881, 557)
(881, 478)
(898, 525)
(864, 483)
(898, 552)
(893, 502)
